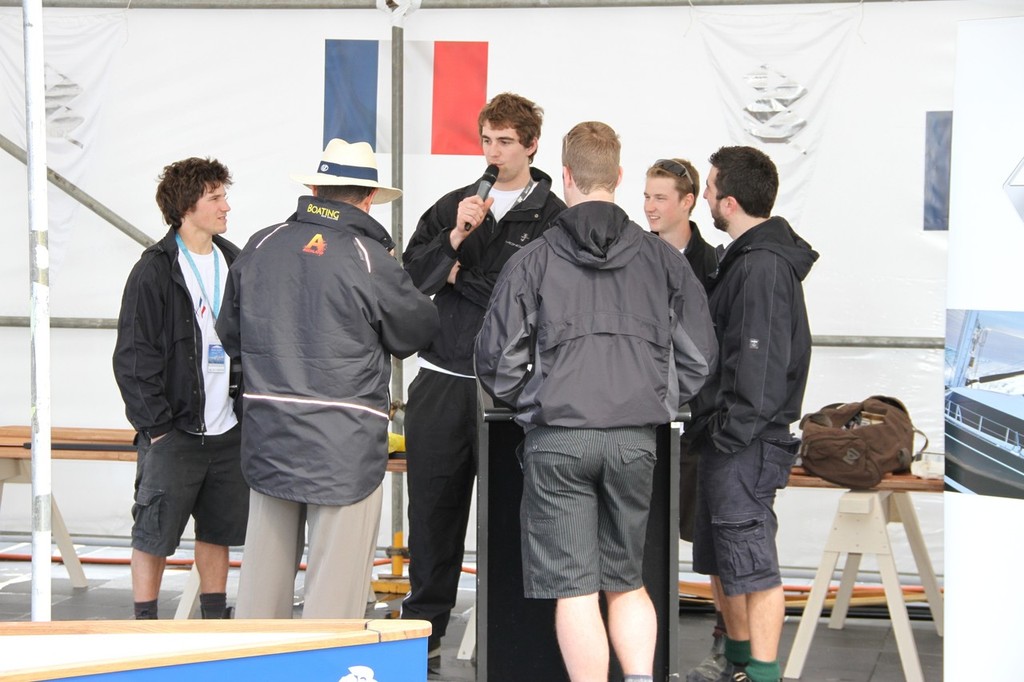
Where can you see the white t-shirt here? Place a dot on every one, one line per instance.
(504, 199)
(219, 414)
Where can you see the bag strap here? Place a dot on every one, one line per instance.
(889, 400)
(819, 417)
(920, 453)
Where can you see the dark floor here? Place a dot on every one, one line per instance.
(864, 651)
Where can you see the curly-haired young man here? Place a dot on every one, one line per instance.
(176, 381)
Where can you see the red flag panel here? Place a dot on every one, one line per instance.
(460, 92)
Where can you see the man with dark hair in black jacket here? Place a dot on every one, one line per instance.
(742, 417)
(174, 378)
(456, 253)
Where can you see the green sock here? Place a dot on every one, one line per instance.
(737, 652)
(759, 671)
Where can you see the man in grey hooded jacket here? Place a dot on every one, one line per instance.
(596, 332)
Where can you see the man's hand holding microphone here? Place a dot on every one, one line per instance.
(473, 210)
(471, 213)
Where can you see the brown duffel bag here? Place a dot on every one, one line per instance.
(855, 444)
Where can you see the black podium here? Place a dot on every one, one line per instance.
(516, 636)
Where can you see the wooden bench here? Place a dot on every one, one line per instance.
(861, 527)
(99, 445)
(106, 445)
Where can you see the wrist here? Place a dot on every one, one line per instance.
(157, 431)
(455, 237)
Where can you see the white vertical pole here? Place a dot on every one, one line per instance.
(39, 273)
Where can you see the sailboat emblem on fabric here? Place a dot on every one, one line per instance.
(773, 119)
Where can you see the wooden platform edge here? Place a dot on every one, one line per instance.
(205, 652)
(799, 478)
(13, 439)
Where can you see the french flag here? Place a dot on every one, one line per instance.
(446, 79)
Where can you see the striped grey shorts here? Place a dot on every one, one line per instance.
(586, 499)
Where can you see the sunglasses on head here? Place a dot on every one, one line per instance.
(675, 168)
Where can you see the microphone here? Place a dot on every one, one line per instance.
(487, 181)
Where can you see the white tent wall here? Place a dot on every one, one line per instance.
(246, 87)
(982, 574)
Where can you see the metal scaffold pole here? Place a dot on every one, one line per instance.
(397, 12)
(39, 275)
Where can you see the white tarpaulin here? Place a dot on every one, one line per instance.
(776, 76)
(247, 87)
(78, 51)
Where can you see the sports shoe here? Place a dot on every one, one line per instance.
(740, 677)
(714, 668)
(434, 661)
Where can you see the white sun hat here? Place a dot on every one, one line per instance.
(343, 163)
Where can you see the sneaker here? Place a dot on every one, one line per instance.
(434, 661)
(714, 668)
(740, 677)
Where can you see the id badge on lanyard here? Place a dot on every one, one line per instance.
(216, 359)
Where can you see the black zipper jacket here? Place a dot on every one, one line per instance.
(429, 258)
(158, 353)
(757, 305)
(702, 257)
(314, 308)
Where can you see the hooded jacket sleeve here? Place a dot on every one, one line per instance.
(694, 346)
(139, 350)
(407, 319)
(503, 354)
(756, 348)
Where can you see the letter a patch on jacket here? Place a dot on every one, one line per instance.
(316, 246)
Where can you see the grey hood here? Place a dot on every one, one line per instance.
(595, 234)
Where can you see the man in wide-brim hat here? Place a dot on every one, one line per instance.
(315, 307)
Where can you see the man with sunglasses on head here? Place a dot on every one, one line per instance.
(670, 194)
(456, 253)
(669, 197)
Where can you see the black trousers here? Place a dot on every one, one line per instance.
(441, 450)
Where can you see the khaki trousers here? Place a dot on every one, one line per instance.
(342, 541)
